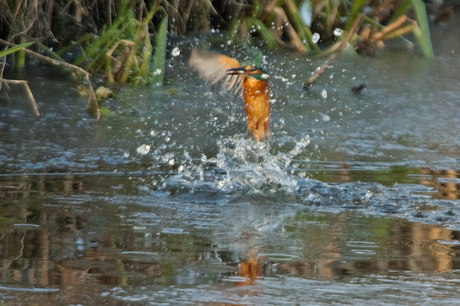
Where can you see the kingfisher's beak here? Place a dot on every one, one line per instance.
(234, 71)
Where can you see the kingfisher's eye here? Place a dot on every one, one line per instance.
(259, 74)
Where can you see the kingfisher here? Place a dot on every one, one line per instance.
(252, 82)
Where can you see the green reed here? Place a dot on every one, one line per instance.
(127, 39)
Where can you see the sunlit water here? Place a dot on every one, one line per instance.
(354, 198)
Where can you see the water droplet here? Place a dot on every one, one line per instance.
(143, 149)
(326, 118)
(337, 32)
(369, 194)
(175, 52)
(315, 38)
(324, 93)
(157, 72)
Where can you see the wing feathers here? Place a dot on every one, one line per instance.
(213, 68)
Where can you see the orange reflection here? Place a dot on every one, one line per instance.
(444, 181)
(250, 269)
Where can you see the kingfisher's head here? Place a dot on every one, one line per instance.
(256, 72)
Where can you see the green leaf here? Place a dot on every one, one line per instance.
(303, 31)
(355, 9)
(157, 73)
(15, 49)
(260, 27)
(105, 111)
(402, 10)
(423, 35)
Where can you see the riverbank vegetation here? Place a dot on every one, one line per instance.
(125, 41)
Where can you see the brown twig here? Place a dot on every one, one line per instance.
(389, 28)
(47, 59)
(339, 50)
(28, 91)
(92, 101)
(291, 32)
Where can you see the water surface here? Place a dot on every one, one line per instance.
(356, 197)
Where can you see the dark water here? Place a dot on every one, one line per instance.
(356, 198)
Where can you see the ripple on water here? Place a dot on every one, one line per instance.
(397, 289)
(244, 168)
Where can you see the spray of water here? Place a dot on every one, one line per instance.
(241, 164)
(243, 167)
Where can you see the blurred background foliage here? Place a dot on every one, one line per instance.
(125, 40)
(115, 36)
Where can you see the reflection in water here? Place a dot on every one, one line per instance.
(446, 183)
(250, 268)
(55, 238)
(338, 209)
(396, 246)
(25, 186)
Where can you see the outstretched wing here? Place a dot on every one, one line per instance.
(213, 68)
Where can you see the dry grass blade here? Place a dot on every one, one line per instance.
(391, 27)
(92, 102)
(116, 65)
(29, 93)
(31, 97)
(291, 32)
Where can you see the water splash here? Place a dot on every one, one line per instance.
(243, 167)
(240, 164)
(143, 149)
(252, 165)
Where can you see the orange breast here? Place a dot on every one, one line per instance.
(256, 98)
